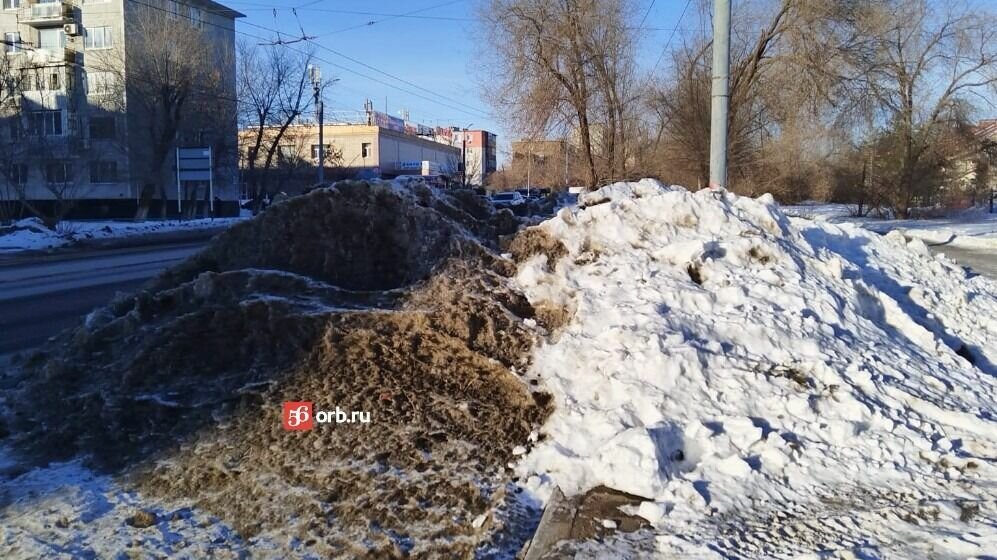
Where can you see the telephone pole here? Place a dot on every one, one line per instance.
(720, 94)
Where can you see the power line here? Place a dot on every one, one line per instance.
(473, 111)
(648, 12)
(678, 24)
(304, 38)
(390, 17)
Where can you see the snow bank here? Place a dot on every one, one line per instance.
(973, 228)
(772, 387)
(31, 235)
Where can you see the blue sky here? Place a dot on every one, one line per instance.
(433, 47)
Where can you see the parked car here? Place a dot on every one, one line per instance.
(534, 193)
(508, 199)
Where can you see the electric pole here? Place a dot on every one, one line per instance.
(720, 94)
(316, 75)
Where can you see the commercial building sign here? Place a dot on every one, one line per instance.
(385, 120)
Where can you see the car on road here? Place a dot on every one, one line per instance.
(507, 199)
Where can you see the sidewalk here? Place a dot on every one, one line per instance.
(33, 239)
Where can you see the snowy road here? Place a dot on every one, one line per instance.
(39, 296)
(980, 261)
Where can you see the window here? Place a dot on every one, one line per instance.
(11, 4)
(196, 17)
(12, 43)
(103, 172)
(365, 150)
(98, 37)
(46, 123)
(100, 83)
(102, 128)
(13, 129)
(328, 150)
(17, 174)
(57, 173)
(51, 39)
(41, 79)
(173, 9)
(287, 152)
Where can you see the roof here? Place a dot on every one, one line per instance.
(216, 8)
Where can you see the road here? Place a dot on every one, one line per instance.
(978, 260)
(41, 295)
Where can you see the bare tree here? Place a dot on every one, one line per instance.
(11, 89)
(567, 67)
(175, 93)
(35, 142)
(922, 63)
(275, 92)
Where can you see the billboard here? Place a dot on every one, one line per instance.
(385, 120)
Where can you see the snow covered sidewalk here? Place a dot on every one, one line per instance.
(30, 235)
(969, 229)
(773, 387)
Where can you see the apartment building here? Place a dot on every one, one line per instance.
(73, 127)
(480, 157)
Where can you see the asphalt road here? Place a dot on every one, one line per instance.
(41, 295)
(978, 260)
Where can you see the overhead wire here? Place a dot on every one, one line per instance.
(458, 106)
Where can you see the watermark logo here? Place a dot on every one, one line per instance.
(301, 416)
(298, 416)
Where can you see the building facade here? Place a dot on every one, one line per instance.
(71, 129)
(542, 163)
(351, 150)
(480, 158)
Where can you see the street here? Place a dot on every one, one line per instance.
(41, 295)
(979, 260)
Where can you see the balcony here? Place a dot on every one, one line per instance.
(50, 57)
(48, 14)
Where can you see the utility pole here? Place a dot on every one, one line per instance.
(316, 76)
(720, 94)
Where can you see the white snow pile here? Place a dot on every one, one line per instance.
(973, 228)
(774, 388)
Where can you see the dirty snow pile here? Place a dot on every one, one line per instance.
(378, 298)
(772, 387)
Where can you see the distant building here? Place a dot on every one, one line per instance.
(541, 163)
(481, 158)
(60, 137)
(979, 155)
(352, 149)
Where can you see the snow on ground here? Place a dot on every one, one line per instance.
(775, 387)
(967, 229)
(30, 235)
(67, 511)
